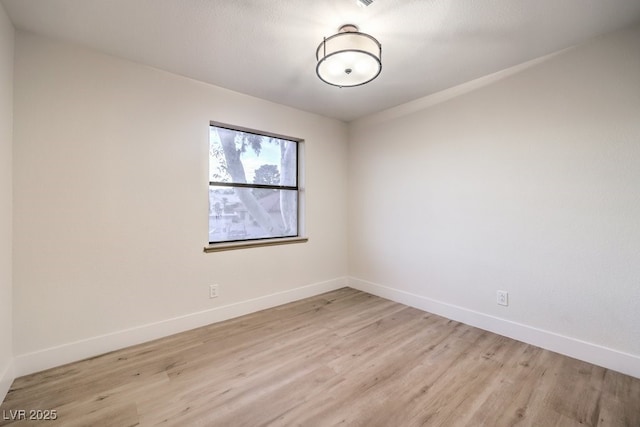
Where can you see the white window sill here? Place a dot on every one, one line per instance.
(218, 247)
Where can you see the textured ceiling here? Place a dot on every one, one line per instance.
(266, 48)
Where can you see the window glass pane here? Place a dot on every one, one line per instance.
(251, 213)
(242, 157)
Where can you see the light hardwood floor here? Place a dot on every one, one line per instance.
(341, 358)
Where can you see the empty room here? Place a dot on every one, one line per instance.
(339, 212)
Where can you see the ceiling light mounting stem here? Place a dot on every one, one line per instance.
(348, 28)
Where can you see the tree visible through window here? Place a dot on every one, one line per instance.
(253, 185)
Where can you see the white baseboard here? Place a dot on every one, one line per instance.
(29, 363)
(6, 379)
(598, 355)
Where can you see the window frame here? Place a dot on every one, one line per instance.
(299, 188)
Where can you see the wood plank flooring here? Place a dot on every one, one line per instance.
(341, 358)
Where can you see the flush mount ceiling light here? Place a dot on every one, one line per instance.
(349, 58)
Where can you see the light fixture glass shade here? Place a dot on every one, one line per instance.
(349, 58)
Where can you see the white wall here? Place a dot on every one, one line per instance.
(6, 165)
(529, 185)
(111, 205)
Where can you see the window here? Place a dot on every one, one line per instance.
(254, 191)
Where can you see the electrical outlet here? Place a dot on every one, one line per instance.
(503, 298)
(213, 291)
